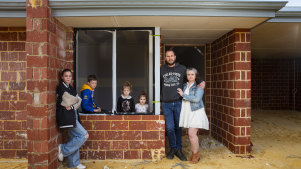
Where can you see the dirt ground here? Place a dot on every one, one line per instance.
(276, 136)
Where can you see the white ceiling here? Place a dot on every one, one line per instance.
(174, 29)
(276, 40)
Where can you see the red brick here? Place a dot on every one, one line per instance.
(3, 28)
(119, 125)
(87, 145)
(8, 36)
(21, 135)
(37, 158)
(16, 46)
(4, 105)
(12, 125)
(3, 46)
(3, 66)
(242, 121)
(18, 105)
(132, 117)
(38, 12)
(132, 135)
(15, 66)
(7, 135)
(37, 36)
(155, 144)
(150, 135)
(133, 154)
(24, 144)
(113, 117)
(8, 76)
(242, 66)
(137, 125)
(146, 154)
(151, 117)
(7, 115)
(242, 84)
(21, 36)
(36, 86)
(8, 153)
(155, 125)
(9, 56)
(114, 155)
(87, 124)
(244, 103)
(101, 145)
(162, 135)
(113, 135)
(101, 125)
(242, 47)
(242, 140)
(12, 144)
(138, 144)
(17, 85)
(38, 135)
(120, 145)
(37, 61)
(83, 155)
(97, 155)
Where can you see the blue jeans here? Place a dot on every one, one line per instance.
(172, 112)
(76, 140)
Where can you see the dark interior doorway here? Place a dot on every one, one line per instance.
(190, 56)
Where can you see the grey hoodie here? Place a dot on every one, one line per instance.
(171, 78)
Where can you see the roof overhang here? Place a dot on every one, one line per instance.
(288, 14)
(73, 8)
(232, 8)
(12, 8)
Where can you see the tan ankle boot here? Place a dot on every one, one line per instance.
(195, 158)
(190, 157)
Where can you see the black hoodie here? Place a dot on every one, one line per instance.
(171, 78)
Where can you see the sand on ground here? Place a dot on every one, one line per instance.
(276, 136)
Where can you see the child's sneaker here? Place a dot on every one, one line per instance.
(80, 166)
(60, 155)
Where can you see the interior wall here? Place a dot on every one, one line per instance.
(276, 84)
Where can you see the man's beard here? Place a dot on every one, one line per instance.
(170, 64)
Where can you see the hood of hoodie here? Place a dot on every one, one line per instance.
(86, 86)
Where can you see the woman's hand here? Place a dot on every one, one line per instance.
(180, 91)
(202, 85)
(68, 108)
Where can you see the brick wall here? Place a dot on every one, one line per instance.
(273, 84)
(124, 137)
(13, 113)
(228, 93)
(49, 50)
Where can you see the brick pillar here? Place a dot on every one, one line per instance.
(231, 90)
(47, 54)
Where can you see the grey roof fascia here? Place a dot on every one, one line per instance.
(235, 8)
(12, 8)
(288, 14)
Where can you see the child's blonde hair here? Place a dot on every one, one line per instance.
(128, 85)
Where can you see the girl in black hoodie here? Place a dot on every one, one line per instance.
(67, 117)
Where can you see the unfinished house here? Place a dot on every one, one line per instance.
(237, 46)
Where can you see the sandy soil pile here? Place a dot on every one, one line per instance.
(276, 136)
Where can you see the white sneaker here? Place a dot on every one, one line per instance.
(80, 166)
(60, 155)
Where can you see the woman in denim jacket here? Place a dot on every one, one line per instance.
(193, 115)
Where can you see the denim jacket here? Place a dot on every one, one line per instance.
(195, 96)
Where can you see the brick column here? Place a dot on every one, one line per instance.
(46, 56)
(231, 90)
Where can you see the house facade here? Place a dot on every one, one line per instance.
(125, 40)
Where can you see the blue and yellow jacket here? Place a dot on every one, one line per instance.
(87, 95)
